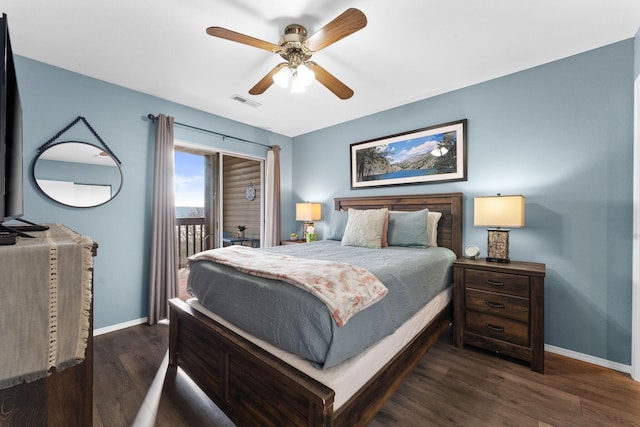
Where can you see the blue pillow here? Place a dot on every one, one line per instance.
(338, 225)
(408, 228)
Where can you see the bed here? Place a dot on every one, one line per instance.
(256, 385)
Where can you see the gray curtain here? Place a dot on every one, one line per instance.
(163, 277)
(272, 212)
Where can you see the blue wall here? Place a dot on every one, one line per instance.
(52, 98)
(560, 134)
(637, 54)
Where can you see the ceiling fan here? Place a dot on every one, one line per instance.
(296, 48)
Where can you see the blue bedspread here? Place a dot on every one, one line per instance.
(294, 320)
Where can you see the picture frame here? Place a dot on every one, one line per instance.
(429, 155)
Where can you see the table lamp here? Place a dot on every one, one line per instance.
(308, 212)
(498, 211)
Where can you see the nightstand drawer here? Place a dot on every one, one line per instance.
(498, 327)
(515, 308)
(512, 284)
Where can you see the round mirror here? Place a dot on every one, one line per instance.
(77, 174)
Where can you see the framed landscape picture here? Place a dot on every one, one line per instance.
(428, 155)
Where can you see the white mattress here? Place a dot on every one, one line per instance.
(349, 376)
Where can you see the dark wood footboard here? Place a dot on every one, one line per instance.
(250, 385)
(253, 387)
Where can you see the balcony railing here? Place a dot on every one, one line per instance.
(192, 233)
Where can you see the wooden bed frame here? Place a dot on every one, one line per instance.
(253, 387)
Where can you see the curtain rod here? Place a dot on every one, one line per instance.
(153, 118)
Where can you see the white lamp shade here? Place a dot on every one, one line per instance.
(281, 78)
(498, 211)
(305, 75)
(308, 211)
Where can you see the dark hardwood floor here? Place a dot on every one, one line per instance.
(449, 387)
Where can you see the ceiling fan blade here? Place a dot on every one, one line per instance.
(223, 33)
(328, 80)
(347, 23)
(266, 82)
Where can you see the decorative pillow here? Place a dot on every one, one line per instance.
(408, 228)
(338, 224)
(364, 228)
(432, 228)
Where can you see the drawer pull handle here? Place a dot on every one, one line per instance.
(494, 304)
(494, 327)
(495, 282)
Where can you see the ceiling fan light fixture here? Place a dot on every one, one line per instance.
(305, 75)
(296, 48)
(296, 84)
(282, 77)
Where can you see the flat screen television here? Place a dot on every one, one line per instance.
(11, 202)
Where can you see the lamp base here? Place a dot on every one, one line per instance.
(304, 229)
(498, 245)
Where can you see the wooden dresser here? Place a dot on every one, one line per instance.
(65, 397)
(500, 307)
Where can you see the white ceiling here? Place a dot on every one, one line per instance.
(409, 50)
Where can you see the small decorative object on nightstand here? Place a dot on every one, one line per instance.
(500, 307)
(472, 251)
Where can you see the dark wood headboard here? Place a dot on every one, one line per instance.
(450, 204)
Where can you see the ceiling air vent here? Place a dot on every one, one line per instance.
(245, 101)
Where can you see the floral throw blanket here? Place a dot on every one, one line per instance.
(345, 288)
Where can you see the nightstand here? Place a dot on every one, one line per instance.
(500, 307)
(292, 242)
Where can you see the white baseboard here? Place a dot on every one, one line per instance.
(589, 359)
(119, 326)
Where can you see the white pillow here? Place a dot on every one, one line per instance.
(364, 228)
(432, 228)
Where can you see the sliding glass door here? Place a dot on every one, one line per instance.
(219, 199)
